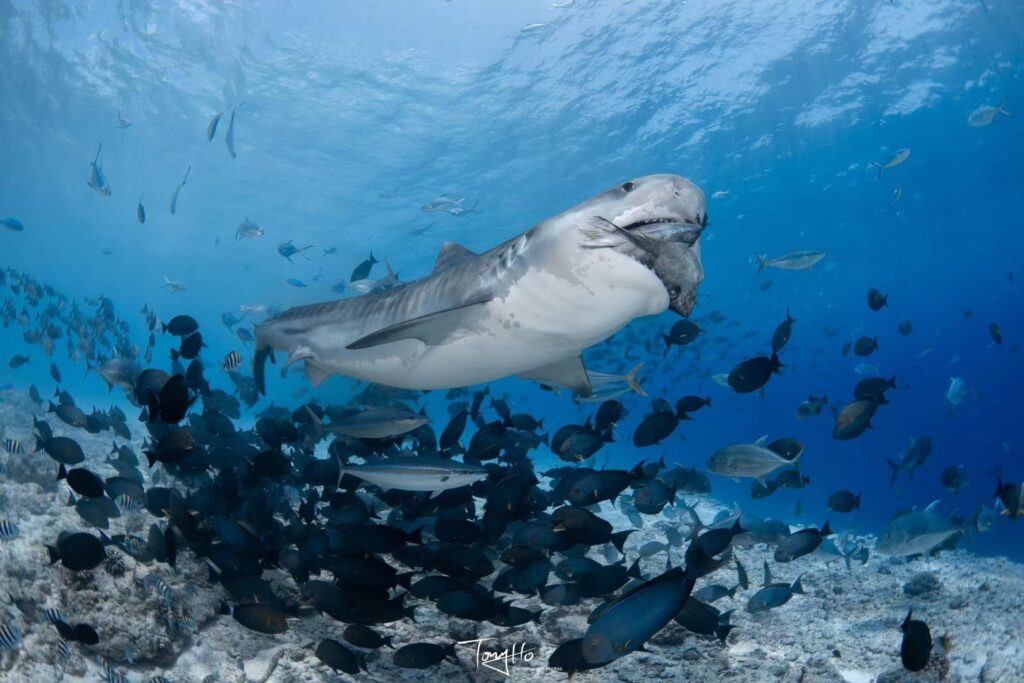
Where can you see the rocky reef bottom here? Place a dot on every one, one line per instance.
(155, 621)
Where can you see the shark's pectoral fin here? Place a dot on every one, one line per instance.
(568, 373)
(431, 329)
(316, 373)
(450, 254)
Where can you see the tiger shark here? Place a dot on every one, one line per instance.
(527, 307)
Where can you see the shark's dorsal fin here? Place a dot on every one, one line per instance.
(568, 373)
(450, 254)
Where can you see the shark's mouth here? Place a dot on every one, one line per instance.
(637, 225)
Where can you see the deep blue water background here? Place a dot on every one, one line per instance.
(352, 115)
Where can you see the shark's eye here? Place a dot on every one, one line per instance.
(628, 187)
(673, 292)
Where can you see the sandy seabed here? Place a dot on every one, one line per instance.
(845, 628)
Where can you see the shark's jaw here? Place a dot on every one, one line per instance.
(659, 219)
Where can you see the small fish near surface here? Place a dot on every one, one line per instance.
(248, 230)
(229, 136)
(211, 128)
(362, 271)
(985, 115)
(177, 191)
(97, 181)
(794, 260)
(455, 207)
(12, 224)
(895, 160)
(288, 249)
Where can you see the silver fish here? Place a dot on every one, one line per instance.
(984, 115)
(915, 532)
(748, 460)
(229, 137)
(895, 160)
(97, 181)
(436, 475)
(211, 128)
(378, 423)
(794, 260)
(174, 197)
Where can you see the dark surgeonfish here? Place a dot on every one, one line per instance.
(773, 595)
(916, 648)
(782, 333)
(754, 373)
(635, 616)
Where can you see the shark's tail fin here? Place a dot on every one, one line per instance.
(633, 379)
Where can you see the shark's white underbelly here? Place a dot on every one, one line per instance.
(545, 317)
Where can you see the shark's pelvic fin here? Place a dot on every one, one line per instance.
(568, 373)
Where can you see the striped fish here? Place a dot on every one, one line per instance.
(52, 615)
(126, 502)
(13, 446)
(10, 636)
(159, 679)
(184, 624)
(133, 545)
(231, 361)
(8, 530)
(63, 649)
(112, 675)
(161, 588)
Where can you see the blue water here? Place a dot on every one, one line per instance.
(350, 116)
